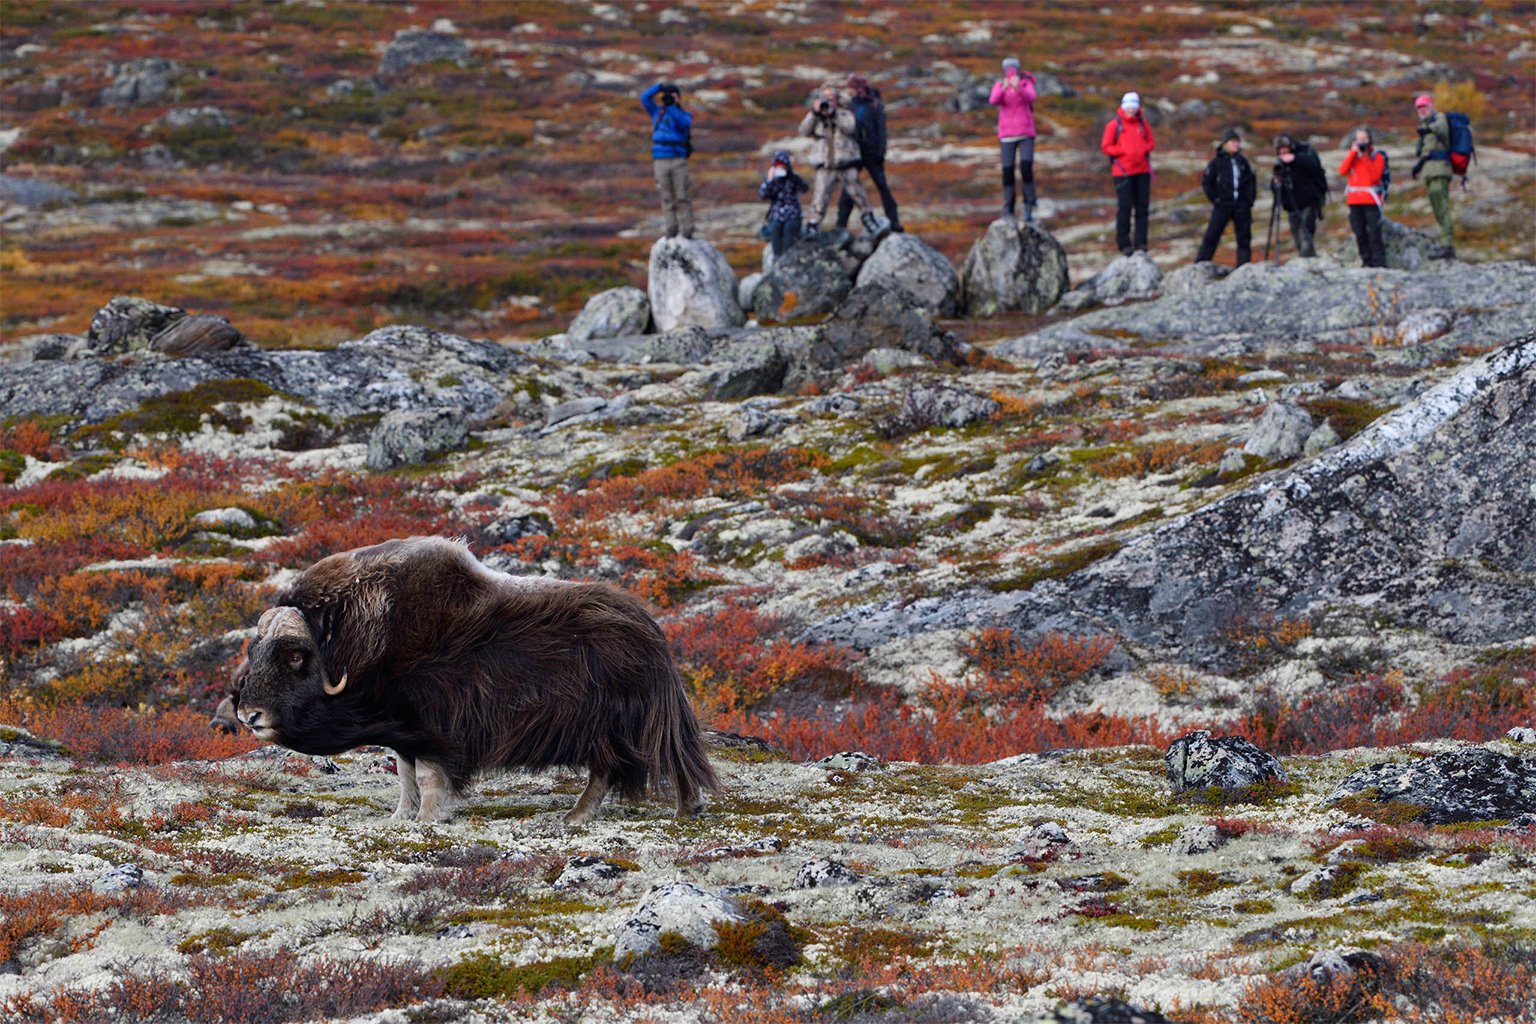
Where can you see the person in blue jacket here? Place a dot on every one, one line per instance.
(671, 145)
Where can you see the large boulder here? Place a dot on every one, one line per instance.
(405, 438)
(196, 335)
(1280, 433)
(1227, 763)
(691, 285)
(748, 365)
(614, 313)
(1126, 278)
(412, 46)
(877, 316)
(1015, 266)
(128, 323)
(809, 279)
(1471, 784)
(682, 907)
(907, 262)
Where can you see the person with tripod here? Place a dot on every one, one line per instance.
(1230, 185)
(1300, 188)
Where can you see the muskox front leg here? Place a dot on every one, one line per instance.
(437, 791)
(410, 793)
(591, 797)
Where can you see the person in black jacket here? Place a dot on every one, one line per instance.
(1229, 185)
(1300, 186)
(869, 111)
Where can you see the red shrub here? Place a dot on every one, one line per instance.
(125, 736)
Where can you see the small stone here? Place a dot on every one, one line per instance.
(1232, 461)
(583, 870)
(406, 438)
(851, 761)
(615, 313)
(237, 519)
(1197, 761)
(1197, 839)
(822, 873)
(119, 879)
(681, 907)
(1050, 832)
(1280, 433)
(1521, 734)
(1321, 439)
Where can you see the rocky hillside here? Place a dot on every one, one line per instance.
(1079, 639)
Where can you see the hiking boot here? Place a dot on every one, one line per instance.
(871, 225)
(1029, 213)
(1008, 203)
(896, 228)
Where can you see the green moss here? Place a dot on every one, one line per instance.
(526, 910)
(1262, 793)
(218, 941)
(1062, 565)
(484, 976)
(182, 412)
(1132, 921)
(12, 463)
(1366, 805)
(305, 879)
(83, 468)
(1198, 882)
(1253, 906)
(1163, 836)
(1348, 416)
(978, 870)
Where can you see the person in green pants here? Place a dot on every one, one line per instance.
(1434, 153)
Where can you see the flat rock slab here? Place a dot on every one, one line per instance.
(1472, 784)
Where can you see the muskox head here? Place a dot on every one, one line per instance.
(280, 690)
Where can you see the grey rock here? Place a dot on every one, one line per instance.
(510, 529)
(611, 314)
(128, 323)
(1197, 761)
(236, 519)
(1050, 832)
(1014, 266)
(1280, 433)
(1521, 734)
(886, 361)
(1322, 438)
(907, 262)
(822, 873)
(1102, 1010)
(1470, 784)
(945, 405)
(691, 284)
(1231, 462)
(46, 347)
(747, 365)
(1192, 277)
(138, 82)
(1407, 248)
(1198, 839)
(32, 193)
(573, 408)
(581, 871)
(836, 404)
(195, 335)
(809, 279)
(1126, 278)
(188, 117)
(1263, 307)
(681, 907)
(755, 423)
(412, 46)
(119, 879)
(875, 316)
(746, 291)
(1424, 325)
(851, 761)
(405, 438)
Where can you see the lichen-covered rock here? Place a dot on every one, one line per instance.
(1015, 266)
(1471, 784)
(405, 438)
(906, 262)
(1198, 761)
(412, 46)
(583, 871)
(691, 284)
(944, 405)
(138, 82)
(128, 323)
(876, 316)
(1280, 433)
(809, 279)
(119, 879)
(681, 907)
(611, 314)
(1192, 277)
(1102, 1010)
(823, 872)
(746, 291)
(1126, 278)
(747, 366)
(195, 335)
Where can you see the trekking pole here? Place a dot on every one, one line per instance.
(1274, 215)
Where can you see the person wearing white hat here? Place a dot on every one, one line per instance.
(1128, 143)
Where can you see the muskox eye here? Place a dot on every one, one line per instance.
(296, 660)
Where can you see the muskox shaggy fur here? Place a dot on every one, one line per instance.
(413, 644)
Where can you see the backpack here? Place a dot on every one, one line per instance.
(1462, 149)
(1386, 172)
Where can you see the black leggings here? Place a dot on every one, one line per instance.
(1024, 151)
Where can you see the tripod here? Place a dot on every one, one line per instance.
(1275, 185)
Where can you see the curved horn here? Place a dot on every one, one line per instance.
(331, 691)
(283, 620)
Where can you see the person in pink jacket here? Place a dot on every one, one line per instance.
(1014, 98)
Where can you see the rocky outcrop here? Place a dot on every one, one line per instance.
(611, 314)
(691, 285)
(1471, 784)
(196, 335)
(1280, 433)
(1423, 519)
(1193, 277)
(1016, 266)
(906, 262)
(412, 46)
(128, 323)
(138, 82)
(875, 316)
(1305, 303)
(1228, 763)
(405, 438)
(809, 279)
(1126, 278)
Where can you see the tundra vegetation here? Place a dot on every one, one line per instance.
(157, 869)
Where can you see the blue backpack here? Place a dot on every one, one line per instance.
(1462, 149)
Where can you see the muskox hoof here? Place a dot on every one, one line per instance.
(579, 817)
(404, 814)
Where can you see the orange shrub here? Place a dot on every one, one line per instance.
(124, 736)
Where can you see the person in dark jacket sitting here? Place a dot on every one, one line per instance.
(1300, 186)
(1229, 185)
(671, 144)
(782, 187)
(869, 111)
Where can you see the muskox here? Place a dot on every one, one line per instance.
(415, 645)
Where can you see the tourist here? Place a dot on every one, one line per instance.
(835, 156)
(671, 145)
(869, 113)
(1434, 153)
(1014, 97)
(1128, 143)
(1229, 184)
(1365, 168)
(1300, 186)
(782, 188)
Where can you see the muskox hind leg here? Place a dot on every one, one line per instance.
(437, 791)
(689, 801)
(591, 797)
(410, 794)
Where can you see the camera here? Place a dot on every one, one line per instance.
(825, 107)
(668, 95)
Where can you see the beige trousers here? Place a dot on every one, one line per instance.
(821, 191)
(676, 195)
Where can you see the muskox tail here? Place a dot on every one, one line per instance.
(676, 745)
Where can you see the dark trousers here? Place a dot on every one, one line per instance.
(1133, 192)
(1304, 229)
(783, 233)
(876, 172)
(1241, 218)
(1022, 151)
(1365, 221)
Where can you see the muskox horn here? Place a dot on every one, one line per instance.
(332, 691)
(282, 621)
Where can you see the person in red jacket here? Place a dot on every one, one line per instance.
(1365, 169)
(1128, 143)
